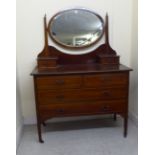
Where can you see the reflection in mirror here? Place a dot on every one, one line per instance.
(76, 28)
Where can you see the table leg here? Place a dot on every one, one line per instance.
(39, 132)
(125, 126)
(115, 116)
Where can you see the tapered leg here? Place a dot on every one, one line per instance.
(39, 133)
(115, 116)
(44, 124)
(125, 126)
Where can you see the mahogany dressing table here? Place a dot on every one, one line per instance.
(92, 83)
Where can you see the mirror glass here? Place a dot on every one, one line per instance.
(76, 28)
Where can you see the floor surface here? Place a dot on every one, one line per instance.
(86, 137)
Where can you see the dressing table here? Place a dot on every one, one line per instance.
(72, 83)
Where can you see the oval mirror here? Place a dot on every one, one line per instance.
(76, 28)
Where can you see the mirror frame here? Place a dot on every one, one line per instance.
(75, 47)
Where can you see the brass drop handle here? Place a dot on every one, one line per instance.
(60, 82)
(106, 93)
(104, 79)
(61, 110)
(105, 108)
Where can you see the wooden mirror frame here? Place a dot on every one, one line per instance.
(75, 47)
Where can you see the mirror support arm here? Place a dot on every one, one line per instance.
(45, 37)
(107, 30)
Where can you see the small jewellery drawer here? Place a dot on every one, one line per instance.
(107, 79)
(97, 107)
(58, 82)
(73, 96)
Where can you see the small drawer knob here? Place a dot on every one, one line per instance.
(105, 108)
(60, 82)
(60, 110)
(106, 93)
(104, 79)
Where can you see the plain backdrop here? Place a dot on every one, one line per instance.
(30, 41)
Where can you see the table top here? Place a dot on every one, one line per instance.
(81, 69)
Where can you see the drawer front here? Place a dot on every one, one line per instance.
(97, 107)
(73, 96)
(108, 79)
(58, 82)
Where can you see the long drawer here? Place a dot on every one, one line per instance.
(107, 79)
(95, 107)
(76, 95)
(58, 82)
(85, 81)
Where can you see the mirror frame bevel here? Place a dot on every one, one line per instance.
(75, 47)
